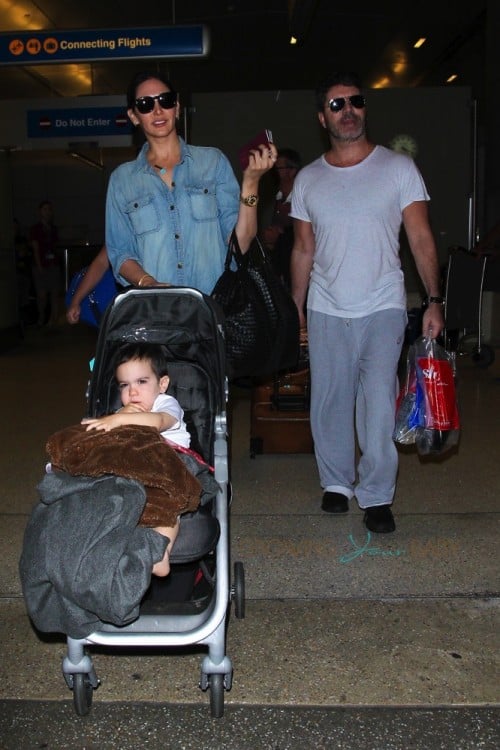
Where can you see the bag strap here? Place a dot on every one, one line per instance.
(234, 251)
(94, 306)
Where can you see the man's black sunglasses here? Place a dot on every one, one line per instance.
(357, 101)
(166, 100)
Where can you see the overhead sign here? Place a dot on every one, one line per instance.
(42, 47)
(82, 122)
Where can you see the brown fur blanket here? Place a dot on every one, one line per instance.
(133, 452)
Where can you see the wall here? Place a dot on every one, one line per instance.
(9, 331)
(77, 191)
(41, 167)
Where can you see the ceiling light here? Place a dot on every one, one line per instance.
(293, 40)
(452, 78)
(382, 83)
(419, 42)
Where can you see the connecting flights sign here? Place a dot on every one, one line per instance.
(42, 47)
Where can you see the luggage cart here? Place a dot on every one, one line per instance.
(463, 306)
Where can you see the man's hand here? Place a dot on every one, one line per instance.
(433, 321)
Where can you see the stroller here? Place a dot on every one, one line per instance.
(187, 323)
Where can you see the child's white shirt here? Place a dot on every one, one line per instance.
(178, 433)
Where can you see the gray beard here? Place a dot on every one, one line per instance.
(347, 138)
(337, 136)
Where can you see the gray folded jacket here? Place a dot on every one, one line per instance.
(85, 561)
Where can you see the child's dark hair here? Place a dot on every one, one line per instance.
(153, 353)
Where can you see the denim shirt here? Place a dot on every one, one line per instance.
(178, 235)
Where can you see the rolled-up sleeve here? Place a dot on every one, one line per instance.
(121, 242)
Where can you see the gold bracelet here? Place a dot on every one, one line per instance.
(146, 275)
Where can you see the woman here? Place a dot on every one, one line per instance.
(170, 213)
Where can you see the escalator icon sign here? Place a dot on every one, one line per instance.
(16, 47)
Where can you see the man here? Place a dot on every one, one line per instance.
(348, 207)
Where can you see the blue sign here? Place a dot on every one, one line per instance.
(86, 122)
(42, 47)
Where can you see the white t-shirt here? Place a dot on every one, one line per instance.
(356, 216)
(177, 434)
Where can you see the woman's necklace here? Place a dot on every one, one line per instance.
(162, 170)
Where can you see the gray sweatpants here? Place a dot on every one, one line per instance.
(353, 394)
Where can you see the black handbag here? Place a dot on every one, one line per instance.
(261, 322)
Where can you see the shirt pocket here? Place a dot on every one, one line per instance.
(143, 215)
(202, 202)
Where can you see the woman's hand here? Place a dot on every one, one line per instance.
(260, 161)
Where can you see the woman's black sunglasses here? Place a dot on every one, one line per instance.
(166, 100)
(357, 101)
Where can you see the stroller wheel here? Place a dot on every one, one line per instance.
(82, 694)
(216, 685)
(484, 356)
(238, 590)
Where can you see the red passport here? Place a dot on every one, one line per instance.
(263, 138)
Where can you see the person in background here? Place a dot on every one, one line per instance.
(24, 272)
(348, 207)
(278, 235)
(47, 271)
(170, 213)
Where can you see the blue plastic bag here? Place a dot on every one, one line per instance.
(92, 306)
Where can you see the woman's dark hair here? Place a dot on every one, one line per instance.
(144, 75)
(153, 353)
(338, 78)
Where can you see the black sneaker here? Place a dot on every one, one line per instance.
(334, 502)
(379, 519)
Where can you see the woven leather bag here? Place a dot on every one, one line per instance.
(261, 322)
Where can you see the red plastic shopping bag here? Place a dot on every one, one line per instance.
(427, 409)
(440, 423)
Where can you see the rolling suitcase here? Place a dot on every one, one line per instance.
(280, 415)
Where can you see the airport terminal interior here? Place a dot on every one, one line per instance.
(339, 638)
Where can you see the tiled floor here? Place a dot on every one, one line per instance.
(350, 640)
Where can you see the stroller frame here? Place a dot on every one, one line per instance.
(465, 275)
(173, 628)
